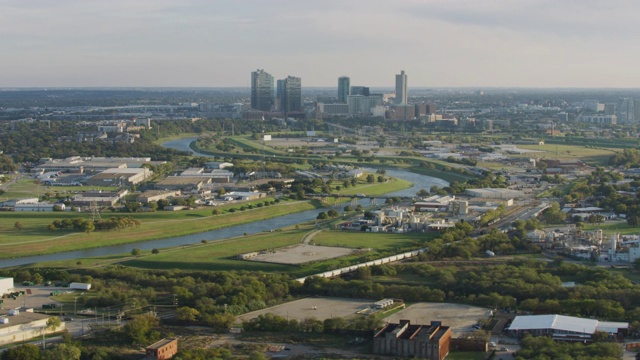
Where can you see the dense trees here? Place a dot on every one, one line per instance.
(546, 348)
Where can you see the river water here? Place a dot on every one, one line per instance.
(419, 182)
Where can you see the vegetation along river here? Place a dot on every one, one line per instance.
(419, 182)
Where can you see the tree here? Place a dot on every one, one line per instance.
(53, 323)
(216, 212)
(64, 352)
(22, 352)
(18, 226)
(422, 193)
(136, 252)
(371, 178)
(333, 213)
(155, 251)
(322, 216)
(186, 313)
(140, 329)
(381, 179)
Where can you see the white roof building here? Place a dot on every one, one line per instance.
(560, 327)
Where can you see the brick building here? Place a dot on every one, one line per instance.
(162, 350)
(420, 341)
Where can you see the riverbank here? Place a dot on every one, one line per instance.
(36, 239)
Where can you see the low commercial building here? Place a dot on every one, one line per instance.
(162, 350)
(239, 195)
(37, 207)
(413, 341)
(182, 183)
(155, 195)
(564, 328)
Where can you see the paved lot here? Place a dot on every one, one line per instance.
(300, 254)
(459, 317)
(39, 295)
(319, 308)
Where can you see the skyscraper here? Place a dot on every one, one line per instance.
(401, 88)
(359, 90)
(262, 94)
(344, 85)
(290, 94)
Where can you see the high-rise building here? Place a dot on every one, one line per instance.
(262, 95)
(359, 90)
(344, 87)
(290, 94)
(401, 88)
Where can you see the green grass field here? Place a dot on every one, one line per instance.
(155, 225)
(594, 156)
(613, 227)
(26, 188)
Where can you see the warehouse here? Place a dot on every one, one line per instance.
(6, 285)
(564, 328)
(405, 340)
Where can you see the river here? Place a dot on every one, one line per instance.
(419, 182)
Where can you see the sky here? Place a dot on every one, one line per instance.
(217, 43)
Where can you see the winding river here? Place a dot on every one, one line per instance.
(419, 182)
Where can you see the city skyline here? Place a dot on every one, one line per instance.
(196, 43)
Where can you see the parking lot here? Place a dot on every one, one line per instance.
(300, 254)
(34, 297)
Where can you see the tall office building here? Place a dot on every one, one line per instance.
(290, 94)
(262, 95)
(344, 87)
(359, 90)
(401, 88)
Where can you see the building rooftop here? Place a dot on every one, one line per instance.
(161, 343)
(564, 323)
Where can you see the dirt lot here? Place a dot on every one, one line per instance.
(300, 254)
(459, 317)
(325, 308)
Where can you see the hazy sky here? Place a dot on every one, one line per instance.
(216, 43)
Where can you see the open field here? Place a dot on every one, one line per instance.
(459, 317)
(28, 187)
(594, 156)
(611, 227)
(155, 225)
(379, 241)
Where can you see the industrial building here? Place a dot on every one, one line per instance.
(162, 350)
(37, 207)
(19, 325)
(6, 285)
(120, 177)
(491, 193)
(413, 341)
(155, 195)
(564, 328)
(182, 183)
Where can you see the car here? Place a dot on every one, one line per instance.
(68, 318)
(504, 349)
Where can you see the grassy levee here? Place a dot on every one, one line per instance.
(222, 255)
(155, 225)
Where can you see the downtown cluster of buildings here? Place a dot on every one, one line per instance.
(285, 97)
